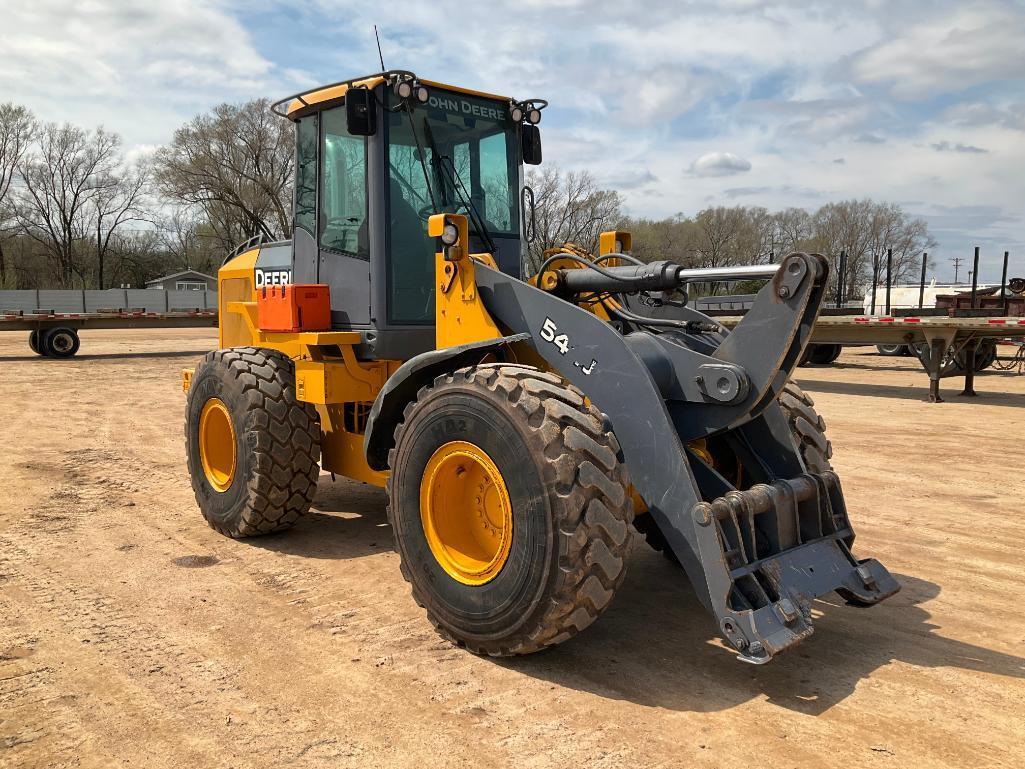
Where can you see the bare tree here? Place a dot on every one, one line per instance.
(236, 164)
(76, 196)
(135, 256)
(120, 199)
(188, 240)
(61, 182)
(865, 230)
(674, 238)
(791, 231)
(719, 236)
(569, 208)
(17, 130)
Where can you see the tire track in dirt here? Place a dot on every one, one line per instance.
(155, 668)
(305, 649)
(141, 662)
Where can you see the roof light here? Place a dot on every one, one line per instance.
(421, 94)
(534, 116)
(515, 112)
(403, 89)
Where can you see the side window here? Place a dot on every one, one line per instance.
(411, 251)
(496, 183)
(306, 174)
(343, 190)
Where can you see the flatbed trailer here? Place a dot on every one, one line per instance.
(55, 335)
(939, 342)
(936, 340)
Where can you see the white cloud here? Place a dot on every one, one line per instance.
(638, 88)
(140, 68)
(977, 43)
(720, 164)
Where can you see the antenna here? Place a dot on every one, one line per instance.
(379, 54)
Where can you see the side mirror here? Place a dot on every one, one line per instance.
(530, 141)
(360, 112)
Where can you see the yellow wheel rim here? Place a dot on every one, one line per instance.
(217, 444)
(466, 513)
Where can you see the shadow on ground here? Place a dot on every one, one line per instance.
(950, 390)
(347, 520)
(110, 356)
(657, 646)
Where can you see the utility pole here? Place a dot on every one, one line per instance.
(957, 266)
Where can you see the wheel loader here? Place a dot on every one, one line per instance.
(522, 427)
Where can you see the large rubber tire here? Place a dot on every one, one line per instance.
(567, 488)
(809, 432)
(60, 342)
(277, 442)
(807, 428)
(33, 342)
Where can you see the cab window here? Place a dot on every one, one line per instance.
(306, 174)
(343, 193)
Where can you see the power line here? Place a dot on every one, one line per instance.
(957, 266)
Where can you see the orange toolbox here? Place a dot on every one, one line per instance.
(294, 307)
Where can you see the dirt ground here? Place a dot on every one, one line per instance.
(131, 634)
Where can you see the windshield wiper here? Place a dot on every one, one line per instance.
(420, 156)
(460, 190)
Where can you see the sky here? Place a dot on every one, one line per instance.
(678, 104)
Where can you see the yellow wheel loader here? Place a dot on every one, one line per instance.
(519, 426)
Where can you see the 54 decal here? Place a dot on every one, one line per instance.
(550, 333)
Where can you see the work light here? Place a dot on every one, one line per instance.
(403, 89)
(515, 112)
(534, 116)
(450, 234)
(421, 94)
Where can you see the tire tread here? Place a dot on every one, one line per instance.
(587, 482)
(286, 462)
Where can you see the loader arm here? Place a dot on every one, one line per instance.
(758, 556)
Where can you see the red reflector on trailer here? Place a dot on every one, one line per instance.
(912, 320)
(886, 320)
(997, 321)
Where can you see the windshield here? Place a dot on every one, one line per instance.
(454, 154)
(469, 148)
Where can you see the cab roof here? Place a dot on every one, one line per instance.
(290, 105)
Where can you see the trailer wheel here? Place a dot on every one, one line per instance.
(892, 350)
(60, 342)
(809, 432)
(33, 342)
(821, 354)
(509, 507)
(253, 448)
(955, 364)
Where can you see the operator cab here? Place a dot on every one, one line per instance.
(375, 158)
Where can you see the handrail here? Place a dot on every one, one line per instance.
(276, 106)
(251, 242)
